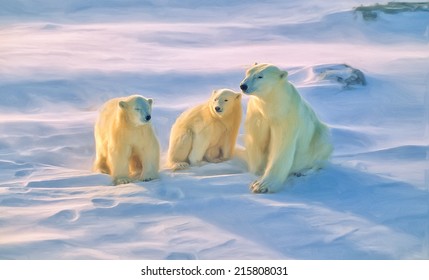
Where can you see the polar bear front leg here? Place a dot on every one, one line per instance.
(119, 165)
(227, 148)
(257, 139)
(280, 160)
(150, 162)
(200, 145)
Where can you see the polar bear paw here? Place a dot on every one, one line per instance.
(149, 177)
(258, 186)
(264, 185)
(122, 180)
(180, 166)
(216, 160)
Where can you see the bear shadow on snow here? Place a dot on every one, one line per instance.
(334, 206)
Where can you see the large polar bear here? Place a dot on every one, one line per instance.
(283, 135)
(126, 145)
(207, 131)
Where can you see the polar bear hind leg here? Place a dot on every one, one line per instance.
(181, 147)
(100, 163)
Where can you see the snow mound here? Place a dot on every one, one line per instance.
(342, 74)
(371, 12)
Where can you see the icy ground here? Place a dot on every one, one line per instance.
(60, 60)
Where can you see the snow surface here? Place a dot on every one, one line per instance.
(60, 60)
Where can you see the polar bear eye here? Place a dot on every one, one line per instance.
(260, 77)
(226, 100)
(138, 109)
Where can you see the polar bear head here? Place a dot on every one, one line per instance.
(261, 79)
(224, 101)
(137, 109)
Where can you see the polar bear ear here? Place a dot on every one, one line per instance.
(255, 64)
(123, 104)
(237, 96)
(283, 74)
(214, 92)
(150, 101)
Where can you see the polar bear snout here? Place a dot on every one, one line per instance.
(244, 87)
(144, 119)
(218, 109)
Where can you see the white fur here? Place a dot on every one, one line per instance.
(126, 145)
(283, 135)
(203, 133)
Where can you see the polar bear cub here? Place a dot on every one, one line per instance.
(283, 135)
(126, 145)
(206, 132)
